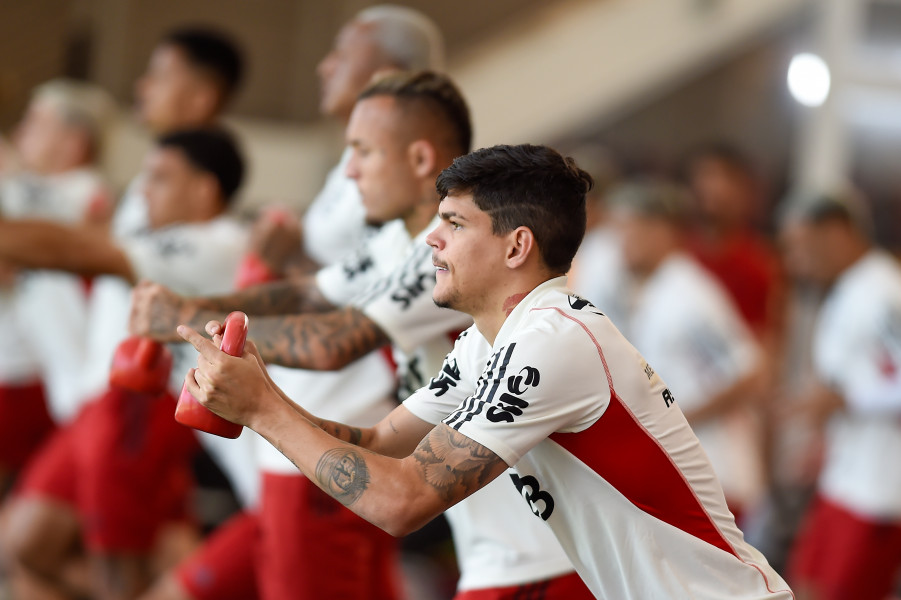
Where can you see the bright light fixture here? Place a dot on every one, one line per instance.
(809, 79)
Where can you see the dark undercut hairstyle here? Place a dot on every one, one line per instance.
(212, 151)
(433, 92)
(212, 53)
(526, 186)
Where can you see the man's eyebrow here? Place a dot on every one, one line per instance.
(450, 214)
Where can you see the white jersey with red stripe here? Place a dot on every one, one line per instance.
(601, 450)
(857, 351)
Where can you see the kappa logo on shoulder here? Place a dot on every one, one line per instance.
(540, 502)
(510, 405)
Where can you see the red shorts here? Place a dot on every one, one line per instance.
(123, 464)
(24, 423)
(564, 587)
(313, 548)
(839, 555)
(224, 567)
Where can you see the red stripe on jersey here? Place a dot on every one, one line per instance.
(640, 469)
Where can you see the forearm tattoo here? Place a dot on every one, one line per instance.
(345, 433)
(324, 341)
(280, 298)
(342, 472)
(453, 464)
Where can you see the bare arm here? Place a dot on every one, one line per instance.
(78, 249)
(396, 435)
(397, 494)
(156, 310)
(325, 341)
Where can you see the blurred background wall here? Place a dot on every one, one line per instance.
(648, 79)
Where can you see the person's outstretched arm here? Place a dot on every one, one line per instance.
(398, 495)
(156, 310)
(36, 244)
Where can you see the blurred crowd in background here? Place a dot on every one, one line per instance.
(772, 311)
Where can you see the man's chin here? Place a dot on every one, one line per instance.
(373, 222)
(444, 302)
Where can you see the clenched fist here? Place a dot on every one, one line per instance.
(156, 311)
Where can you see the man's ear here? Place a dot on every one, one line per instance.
(208, 196)
(521, 247)
(423, 158)
(204, 102)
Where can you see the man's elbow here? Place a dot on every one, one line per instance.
(404, 519)
(331, 360)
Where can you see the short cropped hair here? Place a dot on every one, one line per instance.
(530, 186)
(652, 197)
(436, 93)
(80, 104)
(723, 152)
(411, 40)
(212, 52)
(212, 151)
(845, 206)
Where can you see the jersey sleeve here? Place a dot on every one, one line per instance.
(709, 348)
(373, 259)
(343, 280)
(531, 387)
(454, 383)
(870, 380)
(401, 304)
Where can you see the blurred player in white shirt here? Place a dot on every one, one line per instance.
(52, 177)
(192, 244)
(850, 543)
(682, 321)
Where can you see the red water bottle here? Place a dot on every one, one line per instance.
(192, 413)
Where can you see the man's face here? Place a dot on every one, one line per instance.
(166, 93)
(45, 141)
(381, 162)
(806, 251)
(468, 256)
(722, 193)
(348, 69)
(643, 239)
(171, 186)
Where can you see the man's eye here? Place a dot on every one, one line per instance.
(455, 226)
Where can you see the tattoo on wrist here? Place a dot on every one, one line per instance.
(343, 473)
(345, 433)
